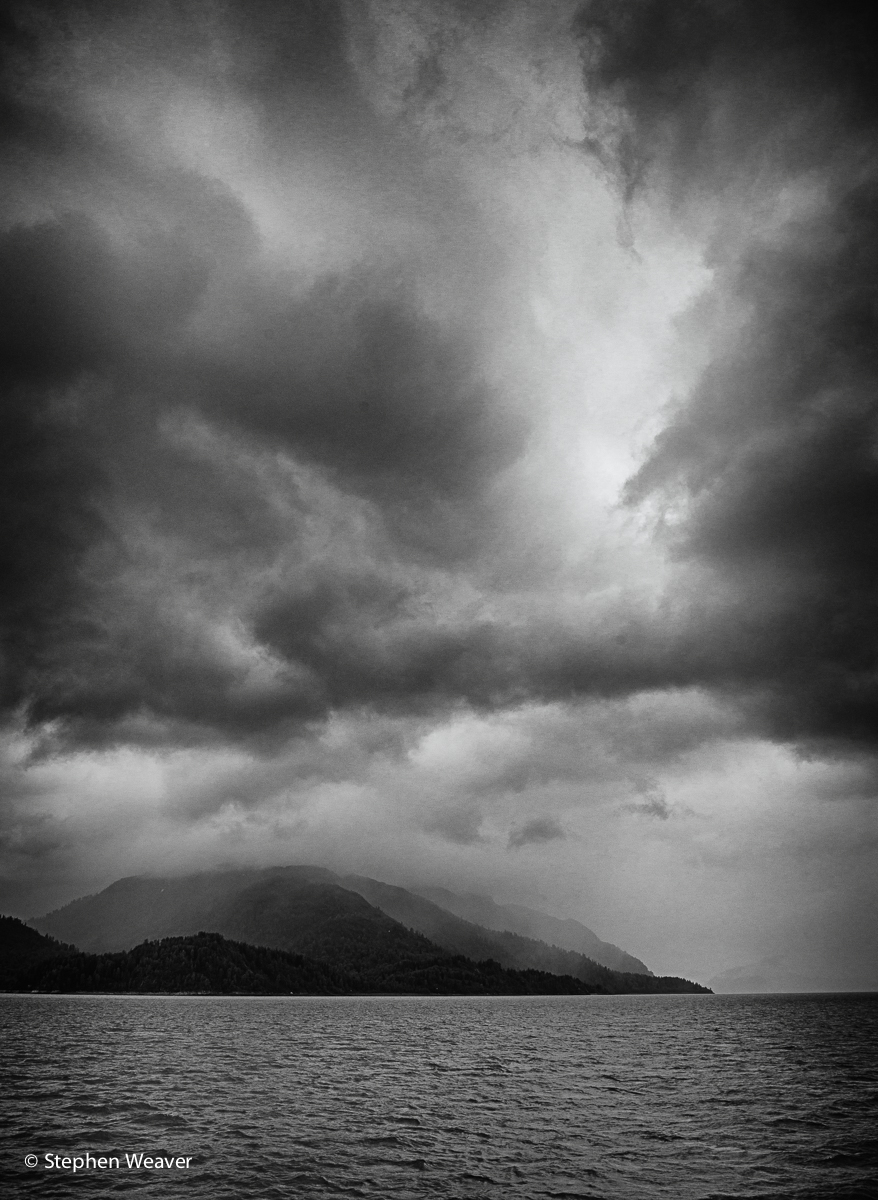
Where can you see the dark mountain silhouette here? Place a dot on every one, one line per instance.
(530, 923)
(207, 963)
(373, 933)
(22, 948)
(297, 909)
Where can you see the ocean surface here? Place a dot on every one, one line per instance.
(619, 1096)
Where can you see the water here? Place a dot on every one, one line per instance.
(408, 1097)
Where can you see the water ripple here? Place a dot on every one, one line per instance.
(408, 1098)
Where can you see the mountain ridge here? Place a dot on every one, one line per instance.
(354, 924)
(457, 935)
(563, 933)
(209, 964)
(22, 947)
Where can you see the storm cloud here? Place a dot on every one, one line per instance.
(424, 423)
(765, 474)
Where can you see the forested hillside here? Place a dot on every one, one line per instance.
(210, 963)
(22, 948)
(376, 936)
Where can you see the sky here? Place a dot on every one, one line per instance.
(439, 440)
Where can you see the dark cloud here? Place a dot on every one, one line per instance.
(69, 304)
(164, 584)
(370, 644)
(50, 521)
(460, 824)
(774, 455)
(651, 802)
(539, 829)
(362, 383)
(705, 86)
(76, 316)
(158, 307)
(769, 466)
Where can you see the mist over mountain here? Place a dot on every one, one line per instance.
(372, 932)
(528, 922)
(297, 909)
(465, 936)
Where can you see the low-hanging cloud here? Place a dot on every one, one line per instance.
(535, 831)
